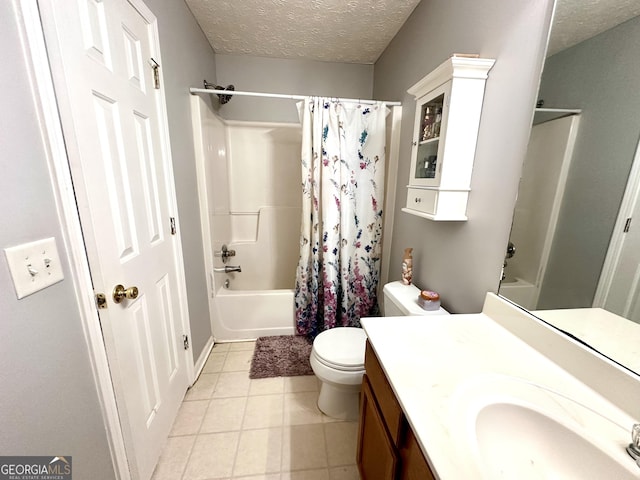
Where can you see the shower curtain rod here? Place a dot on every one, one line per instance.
(194, 91)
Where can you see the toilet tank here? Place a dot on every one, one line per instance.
(400, 300)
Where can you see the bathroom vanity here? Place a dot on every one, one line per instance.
(387, 447)
(492, 395)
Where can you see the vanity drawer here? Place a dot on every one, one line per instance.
(389, 406)
(422, 200)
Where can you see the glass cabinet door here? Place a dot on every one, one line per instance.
(429, 136)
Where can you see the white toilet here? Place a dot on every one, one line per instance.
(337, 356)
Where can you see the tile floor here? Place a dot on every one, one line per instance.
(232, 427)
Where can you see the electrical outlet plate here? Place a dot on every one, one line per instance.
(34, 266)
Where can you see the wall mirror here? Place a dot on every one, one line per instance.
(571, 249)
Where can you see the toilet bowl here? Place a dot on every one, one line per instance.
(337, 355)
(337, 359)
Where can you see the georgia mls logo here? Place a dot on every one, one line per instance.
(35, 468)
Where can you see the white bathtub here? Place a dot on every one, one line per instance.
(249, 314)
(519, 291)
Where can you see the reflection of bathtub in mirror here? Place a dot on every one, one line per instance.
(519, 291)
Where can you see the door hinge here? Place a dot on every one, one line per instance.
(172, 220)
(156, 73)
(101, 301)
(627, 224)
(185, 341)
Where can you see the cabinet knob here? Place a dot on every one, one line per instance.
(418, 200)
(414, 143)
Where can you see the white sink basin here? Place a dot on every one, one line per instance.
(515, 429)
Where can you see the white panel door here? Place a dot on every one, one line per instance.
(619, 286)
(115, 127)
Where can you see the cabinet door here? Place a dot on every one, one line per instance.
(386, 401)
(377, 458)
(429, 136)
(413, 464)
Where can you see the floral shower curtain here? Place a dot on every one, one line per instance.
(343, 164)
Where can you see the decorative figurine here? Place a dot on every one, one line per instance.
(407, 266)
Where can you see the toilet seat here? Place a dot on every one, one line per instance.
(341, 348)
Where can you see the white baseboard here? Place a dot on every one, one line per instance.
(202, 359)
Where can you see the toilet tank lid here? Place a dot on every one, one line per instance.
(405, 297)
(341, 346)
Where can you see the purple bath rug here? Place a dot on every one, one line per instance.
(281, 356)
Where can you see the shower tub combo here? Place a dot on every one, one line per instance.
(250, 197)
(249, 188)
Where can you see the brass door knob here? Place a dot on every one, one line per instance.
(120, 293)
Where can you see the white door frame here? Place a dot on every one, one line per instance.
(393, 155)
(629, 201)
(203, 202)
(32, 32)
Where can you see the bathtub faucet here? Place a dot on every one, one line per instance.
(227, 269)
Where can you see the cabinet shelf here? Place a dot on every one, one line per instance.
(448, 107)
(429, 140)
(435, 218)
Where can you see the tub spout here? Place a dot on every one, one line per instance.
(227, 269)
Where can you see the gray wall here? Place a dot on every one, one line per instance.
(290, 76)
(601, 77)
(463, 260)
(49, 404)
(187, 59)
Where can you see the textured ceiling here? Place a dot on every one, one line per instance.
(358, 31)
(578, 20)
(348, 31)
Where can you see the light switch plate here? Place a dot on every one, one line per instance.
(34, 266)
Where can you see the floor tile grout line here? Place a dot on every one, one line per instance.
(282, 429)
(324, 436)
(244, 412)
(184, 468)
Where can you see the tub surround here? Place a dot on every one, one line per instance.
(432, 364)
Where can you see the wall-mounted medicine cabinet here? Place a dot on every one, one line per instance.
(448, 108)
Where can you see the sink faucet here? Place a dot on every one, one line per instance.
(633, 448)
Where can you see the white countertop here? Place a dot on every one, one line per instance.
(430, 361)
(610, 334)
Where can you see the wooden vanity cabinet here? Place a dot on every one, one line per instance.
(387, 447)
(377, 456)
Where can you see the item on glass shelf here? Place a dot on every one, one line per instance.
(429, 119)
(437, 122)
